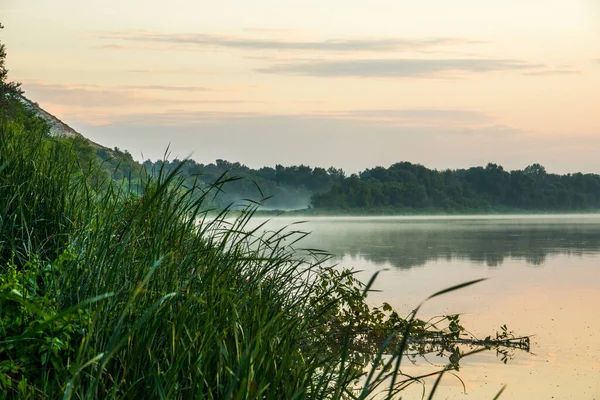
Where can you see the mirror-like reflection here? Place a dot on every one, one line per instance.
(409, 243)
(544, 281)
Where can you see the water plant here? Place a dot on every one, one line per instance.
(110, 292)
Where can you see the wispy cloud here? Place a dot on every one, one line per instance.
(173, 71)
(207, 41)
(431, 118)
(113, 46)
(169, 88)
(398, 68)
(257, 139)
(421, 116)
(81, 95)
(90, 96)
(553, 72)
(270, 31)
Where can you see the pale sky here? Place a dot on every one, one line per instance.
(347, 83)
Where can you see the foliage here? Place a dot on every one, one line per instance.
(401, 188)
(405, 187)
(8, 90)
(34, 192)
(126, 295)
(39, 343)
(130, 289)
(276, 188)
(119, 165)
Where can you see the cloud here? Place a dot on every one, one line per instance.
(260, 139)
(80, 95)
(426, 118)
(169, 88)
(91, 96)
(176, 71)
(553, 72)
(276, 31)
(207, 41)
(422, 115)
(323, 140)
(114, 46)
(397, 68)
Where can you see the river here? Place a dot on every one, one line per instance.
(543, 280)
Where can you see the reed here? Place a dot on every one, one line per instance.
(108, 292)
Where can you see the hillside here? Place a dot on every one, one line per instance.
(57, 127)
(281, 187)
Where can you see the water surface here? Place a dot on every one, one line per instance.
(544, 280)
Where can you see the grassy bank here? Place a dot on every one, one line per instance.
(108, 292)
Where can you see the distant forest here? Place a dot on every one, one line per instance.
(402, 188)
(406, 186)
(282, 188)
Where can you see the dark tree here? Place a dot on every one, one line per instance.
(9, 91)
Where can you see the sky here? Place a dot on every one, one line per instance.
(346, 83)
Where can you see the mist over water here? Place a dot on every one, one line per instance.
(543, 280)
(414, 243)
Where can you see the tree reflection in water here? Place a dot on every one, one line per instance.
(408, 244)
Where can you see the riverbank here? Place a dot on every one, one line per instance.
(110, 293)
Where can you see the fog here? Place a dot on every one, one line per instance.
(408, 242)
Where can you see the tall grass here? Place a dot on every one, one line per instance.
(35, 177)
(109, 294)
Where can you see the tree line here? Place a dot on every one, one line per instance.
(403, 187)
(281, 187)
(407, 186)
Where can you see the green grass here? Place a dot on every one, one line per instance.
(109, 294)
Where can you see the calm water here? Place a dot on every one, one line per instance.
(544, 280)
